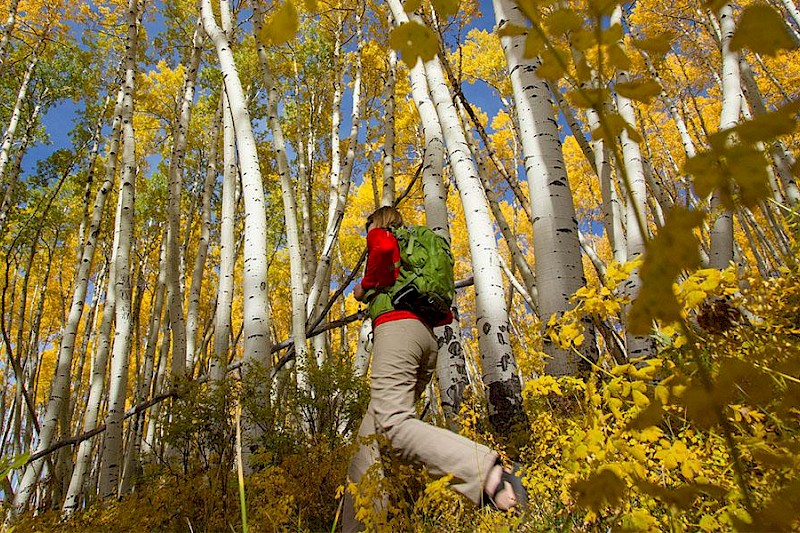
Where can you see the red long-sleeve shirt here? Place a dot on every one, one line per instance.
(383, 256)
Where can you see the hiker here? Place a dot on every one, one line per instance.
(404, 357)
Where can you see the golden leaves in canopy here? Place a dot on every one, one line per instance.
(761, 29)
(735, 165)
(282, 26)
(414, 41)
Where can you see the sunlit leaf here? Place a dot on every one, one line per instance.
(445, 8)
(603, 8)
(617, 57)
(551, 68)
(673, 249)
(599, 489)
(586, 98)
(281, 27)
(658, 45)
(311, 5)
(611, 35)
(562, 21)
(583, 72)
(765, 127)
(511, 30)
(409, 6)
(582, 39)
(414, 41)
(761, 29)
(534, 44)
(642, 90)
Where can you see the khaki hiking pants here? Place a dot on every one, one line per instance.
(404, 357)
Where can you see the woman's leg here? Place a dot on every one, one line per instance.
(404, 356)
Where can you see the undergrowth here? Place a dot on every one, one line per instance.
(703, 437)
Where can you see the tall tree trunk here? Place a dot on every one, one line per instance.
(118, 378)
(176, 176)
(558, 267)
(257, 342)
(227, 250)
(13, 122)
(722, 228)
(388, 196)
(499, 366)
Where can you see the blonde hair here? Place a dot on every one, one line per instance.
(385, 217)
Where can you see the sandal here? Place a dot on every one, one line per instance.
(515, 482)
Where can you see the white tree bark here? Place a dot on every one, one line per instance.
(558, 267)
(180, 342)
(257, 343)
(97, 384)
(118, 379)
(388, 196)
(8, 28)
(13, 122)
(296, 259)
(227, 250)
(499, 366)
(722, 228)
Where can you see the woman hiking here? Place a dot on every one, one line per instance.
(404, 357)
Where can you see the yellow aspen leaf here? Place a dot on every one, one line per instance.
(782, 121)
(511, 30)
(611, 35)
(617, 57)
(639, 399)
(611, 125)
(674, 248)
(582, 39)
(748, 169)
(281, 27)
(598, 490)
(641, 90)
(708, 523)
(562, 21)
(603, 8)
(311, 5)
(583, 72)
(409, 6)
(445, 8)
(586, 98)
(550, 68)
(658, 45)
(534, 44)
(762, 30)
(640, 520)
(414, 41)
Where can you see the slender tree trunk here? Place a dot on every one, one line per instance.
(8, 29)
(388, 196)
(180, 346)
(257, 343)
(296, 259)
(120, 354)
(559, 267)
(227, 252)
(722, 228)
(13, 122)
(499, 366)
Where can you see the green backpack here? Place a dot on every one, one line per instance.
(425, 284)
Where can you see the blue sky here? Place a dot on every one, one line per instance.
(59, 119)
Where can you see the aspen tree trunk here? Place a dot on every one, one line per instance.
(118, 378)
(722, 229)
(499, 366)
(558, 267)
(296, 259)
(450, 364)
(180, 342)
(154, 328)
(364, 348)
(227, 252)
(192, 314)
(60, 388)
(635, 206)
(257, 343)
(8, 28)
(388, 196)
(340, 187)
(13, 122)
